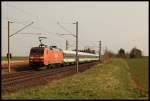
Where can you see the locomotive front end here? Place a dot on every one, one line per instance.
(36, 57)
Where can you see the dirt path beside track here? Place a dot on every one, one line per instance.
(16, 65)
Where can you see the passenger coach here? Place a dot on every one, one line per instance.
(69, 57)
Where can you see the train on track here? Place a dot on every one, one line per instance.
(51, 56)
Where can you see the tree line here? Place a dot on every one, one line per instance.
(134, 53)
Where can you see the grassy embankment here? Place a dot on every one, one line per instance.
(4, 58)
(140, 69)
(110, 80)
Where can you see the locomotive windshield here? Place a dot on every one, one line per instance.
(37, 51)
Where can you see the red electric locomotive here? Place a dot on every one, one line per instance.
(44, 56)
(41, 56)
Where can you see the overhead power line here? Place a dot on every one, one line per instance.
(64, 28)
(31, 16)
(22, 29)
(31, 33)
(34, 27)
(21, 10)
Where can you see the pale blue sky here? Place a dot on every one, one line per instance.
(117, 24)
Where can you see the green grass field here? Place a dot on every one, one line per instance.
(110, 80)
(140, 67)
(15, 58)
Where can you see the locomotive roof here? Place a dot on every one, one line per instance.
(45, 47)
(38, 47)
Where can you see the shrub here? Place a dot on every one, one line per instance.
(135, 53)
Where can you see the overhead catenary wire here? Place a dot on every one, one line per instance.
(21, 10)
(31, 33)
(29, 15)
(21, 29)
(64, 28)
(34, 27)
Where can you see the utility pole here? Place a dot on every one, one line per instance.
(9, 40)
(8, 50)
(76, 36)
(100, 50)
(66, 44)
(77, 58)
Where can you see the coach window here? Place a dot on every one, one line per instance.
(65, 54)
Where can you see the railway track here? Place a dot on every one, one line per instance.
(13, 82)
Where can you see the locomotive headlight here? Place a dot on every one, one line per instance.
(31, 57)
(41, 57)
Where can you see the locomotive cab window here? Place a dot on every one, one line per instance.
(37, 51)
